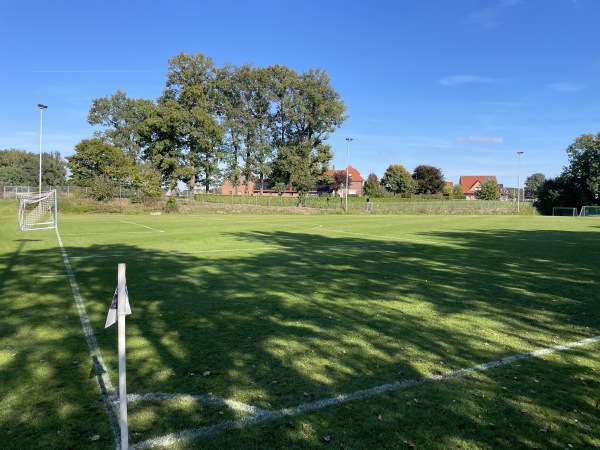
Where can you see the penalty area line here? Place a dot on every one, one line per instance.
(143, 226)
(264, 415)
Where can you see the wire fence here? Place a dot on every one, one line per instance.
(413, 205)
(12, 191)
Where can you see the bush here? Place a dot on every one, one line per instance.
(103, 189)
(171, 206)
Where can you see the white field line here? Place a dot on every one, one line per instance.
(106, 388)
(143, 226)
(391, 238)
(260, 415)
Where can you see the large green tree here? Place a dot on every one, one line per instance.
(584, 167)
(373, 187)
(579, 183)
(122, 118)
(192, 89)
(489, 190)
(22, 168)
(95, 158)
(398, 180)
(245, 112)
(533, 183)
(428, 179)
(306, 110)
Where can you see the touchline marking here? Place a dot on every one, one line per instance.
(106, 388)
(143, 226)
(264, 415)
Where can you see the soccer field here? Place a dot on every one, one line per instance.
(303, 331)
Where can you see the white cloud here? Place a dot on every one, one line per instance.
(491, 139)
(492, 16)
(464, 79)
(565, 87)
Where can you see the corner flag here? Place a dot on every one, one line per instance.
(111, 318)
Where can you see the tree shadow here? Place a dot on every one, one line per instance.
(313, 316)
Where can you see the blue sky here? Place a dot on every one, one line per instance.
(458, 84)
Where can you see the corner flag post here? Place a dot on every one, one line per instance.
(122, 303)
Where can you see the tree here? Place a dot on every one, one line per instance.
(122, 118)
(533, 184)
(457, 192)
(306, 110)
(398, 180)
(562, 190)
(21, 168)
(246, 117)
(489, 190)
(96, 159)
(338, 180)
(429, 179)
(182, 135)
(373, 187)
(584, 167)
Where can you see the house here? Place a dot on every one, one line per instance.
(228, 188)
(472, 183)
(355, 182)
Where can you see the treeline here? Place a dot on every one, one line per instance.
(578, 184)
(242, 123)
(21, 168)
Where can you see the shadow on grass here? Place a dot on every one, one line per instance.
(313, 316)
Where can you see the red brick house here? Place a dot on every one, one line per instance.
(472, 183)
(355, 182)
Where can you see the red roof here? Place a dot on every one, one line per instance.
(471, 183)
(352, 172)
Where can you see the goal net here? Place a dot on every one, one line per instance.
(564, 211)
(37, 211)
(588, 211)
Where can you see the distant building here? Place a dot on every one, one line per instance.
(355, 182)
(472, 183)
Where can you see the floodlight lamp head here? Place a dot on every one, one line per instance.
(42, 106)
(349, 139)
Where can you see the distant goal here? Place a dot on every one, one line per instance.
(564, 211)
(590, 211)
(37, 211)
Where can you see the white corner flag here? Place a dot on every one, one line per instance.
(118, 309)
(111, 318)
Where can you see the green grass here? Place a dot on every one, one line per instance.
(284, 310)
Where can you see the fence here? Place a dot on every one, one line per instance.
(12, 191)
(391, 205)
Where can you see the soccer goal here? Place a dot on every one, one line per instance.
(564, 211)
(590, 211)
(37, 211)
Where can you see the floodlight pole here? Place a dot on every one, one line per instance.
(42, 108)
(519, 180)
(348, 140)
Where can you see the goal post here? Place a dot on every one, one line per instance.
(590, 211)
(564, 211)
(37, 211)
